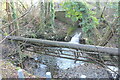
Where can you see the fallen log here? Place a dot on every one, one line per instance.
(99, 49)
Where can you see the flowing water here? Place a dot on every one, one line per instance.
(75, 38)
(54, 64)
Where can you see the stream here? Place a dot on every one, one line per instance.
(54, 64)
(40, 64)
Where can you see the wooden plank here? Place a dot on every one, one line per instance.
(107, 50)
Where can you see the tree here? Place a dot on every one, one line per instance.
(79, 11)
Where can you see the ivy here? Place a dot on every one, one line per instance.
(80, 11)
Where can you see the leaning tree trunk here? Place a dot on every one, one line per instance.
(108, 35)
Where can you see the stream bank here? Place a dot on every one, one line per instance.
(39, 64)
(8, 70)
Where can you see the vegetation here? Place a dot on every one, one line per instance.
(89, 20)
(79, 11)
(98, 22)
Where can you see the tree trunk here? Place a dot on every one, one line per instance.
(9, 16)
(113, 51)
(14, 16)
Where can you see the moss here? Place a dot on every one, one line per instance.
(17, 68)
(71, 30)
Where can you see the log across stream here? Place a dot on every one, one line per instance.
(54, 64)
(107, 50)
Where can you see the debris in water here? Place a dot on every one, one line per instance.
(48, 75)
(20, 73)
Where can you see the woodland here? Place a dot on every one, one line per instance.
(40, 36)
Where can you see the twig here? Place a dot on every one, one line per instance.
(7, 36)
(104, 66)
(103, 11)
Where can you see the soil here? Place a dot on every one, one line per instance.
(88, 69)
(8, 70)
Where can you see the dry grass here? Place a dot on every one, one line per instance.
(10, 71)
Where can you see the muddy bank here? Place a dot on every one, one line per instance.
(88, 69)
(59, 67)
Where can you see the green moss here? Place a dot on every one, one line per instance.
(17, 68)
(71, 30)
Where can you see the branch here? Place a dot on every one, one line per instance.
(7, 36)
